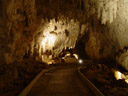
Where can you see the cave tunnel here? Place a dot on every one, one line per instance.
(66, 35)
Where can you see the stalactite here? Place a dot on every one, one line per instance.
(80, 3)
(73, 3)
(60, 40)
(32, 48)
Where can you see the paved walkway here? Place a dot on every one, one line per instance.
(61, 82)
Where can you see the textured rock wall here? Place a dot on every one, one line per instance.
(107, 32)
(21, 19)
(53, 37)
(17, 27)
(103, 21)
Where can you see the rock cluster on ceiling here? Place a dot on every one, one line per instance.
(105, 22)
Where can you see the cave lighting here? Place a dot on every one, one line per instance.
(48, 41)
(75, 55)
(80, 61)
(51, 62)
(126, 80)
(119, 75)
(67, 55)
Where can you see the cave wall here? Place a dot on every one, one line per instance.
(107, 28)
(18, 22)
(53, 37)
(105, 23)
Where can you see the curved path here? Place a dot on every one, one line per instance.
(61, 82)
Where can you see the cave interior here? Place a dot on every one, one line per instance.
(36, 33)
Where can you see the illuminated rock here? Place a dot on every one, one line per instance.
(25, 24)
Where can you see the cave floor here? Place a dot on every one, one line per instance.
(62, 81)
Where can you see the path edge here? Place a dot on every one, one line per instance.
(96, 91)
(27, 89)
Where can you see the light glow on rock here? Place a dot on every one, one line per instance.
(48, 42)
(56, 36)
(75, 55)
(67, 55)
(117, 75)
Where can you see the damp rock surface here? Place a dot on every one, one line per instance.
(103, 78)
